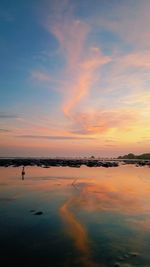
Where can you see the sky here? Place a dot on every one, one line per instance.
(74, 77)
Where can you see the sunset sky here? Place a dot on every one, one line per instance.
(74, 77)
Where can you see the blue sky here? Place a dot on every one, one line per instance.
(74, 69)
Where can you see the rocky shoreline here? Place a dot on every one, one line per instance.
(75, 163)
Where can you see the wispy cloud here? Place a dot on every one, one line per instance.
(98, 122)
(4, 115)
(83, 80)
(137, 59)
(81, 61)
(69, 31)
(127, 71)
(5, 131)
(55, 137)
(130, 22)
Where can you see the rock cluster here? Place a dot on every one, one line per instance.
(46, 163)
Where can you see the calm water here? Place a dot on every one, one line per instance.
(91, 217)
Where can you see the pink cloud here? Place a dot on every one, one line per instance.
(84, 79)
(136, 59)
(81, 62)
(131, 23)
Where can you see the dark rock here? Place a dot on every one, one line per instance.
(126, 256)
(38, 213)
(134, 254)
(126, 265)
(117, 264)
(75, 163)
(121, 258)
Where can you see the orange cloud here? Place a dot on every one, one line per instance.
(83, 80)
(81, 62)
(101, 121)
(82, 71)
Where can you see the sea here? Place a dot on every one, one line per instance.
(75, 217)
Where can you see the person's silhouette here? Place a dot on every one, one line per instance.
(23, 173)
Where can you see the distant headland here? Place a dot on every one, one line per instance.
(145, 156)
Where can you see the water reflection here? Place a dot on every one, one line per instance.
(76, 230)
(103, 213)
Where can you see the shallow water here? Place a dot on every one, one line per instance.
(91, 216)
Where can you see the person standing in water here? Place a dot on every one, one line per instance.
(23, 173)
